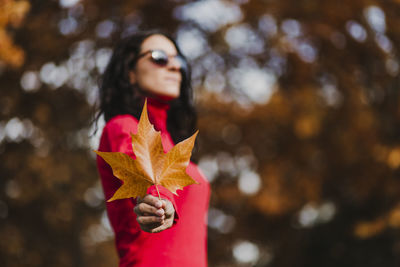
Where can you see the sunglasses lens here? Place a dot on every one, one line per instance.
(159, 57)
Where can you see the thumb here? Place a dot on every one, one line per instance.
(168, 207)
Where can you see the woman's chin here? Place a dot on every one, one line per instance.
(167, 96)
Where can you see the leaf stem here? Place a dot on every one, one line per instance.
(159, 197)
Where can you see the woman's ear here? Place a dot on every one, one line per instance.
(132, 77)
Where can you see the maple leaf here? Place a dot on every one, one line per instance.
(152, 166)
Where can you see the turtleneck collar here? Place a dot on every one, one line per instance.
(157, 111)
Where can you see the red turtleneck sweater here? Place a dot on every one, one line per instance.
(185, 243)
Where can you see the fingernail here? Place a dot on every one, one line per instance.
(160, 212)
(158, 204)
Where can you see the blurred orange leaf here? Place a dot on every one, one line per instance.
(369, 229)
(12, 13)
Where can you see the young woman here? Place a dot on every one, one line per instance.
(150, 232)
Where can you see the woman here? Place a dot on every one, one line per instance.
(150, 232)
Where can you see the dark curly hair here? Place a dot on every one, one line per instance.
(119, 96)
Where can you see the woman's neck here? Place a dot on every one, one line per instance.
(157, 110)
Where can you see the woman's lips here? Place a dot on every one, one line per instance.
(171, 79)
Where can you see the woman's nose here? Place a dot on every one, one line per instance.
(174, 64)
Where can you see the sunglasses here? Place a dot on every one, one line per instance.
(161, 58)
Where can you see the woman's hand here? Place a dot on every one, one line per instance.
(154, 215)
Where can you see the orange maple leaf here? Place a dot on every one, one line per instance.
(152, 166)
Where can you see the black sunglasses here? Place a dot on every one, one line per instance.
(161, 58)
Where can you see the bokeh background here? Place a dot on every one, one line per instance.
(299, 118)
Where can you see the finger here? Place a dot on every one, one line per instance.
(149, 227)
(144, 208)
(168, 207)
(146, 220)
(152, 200)
(160, 228)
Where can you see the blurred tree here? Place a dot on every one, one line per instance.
(299, 128)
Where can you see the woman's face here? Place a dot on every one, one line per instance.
(162, 81)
